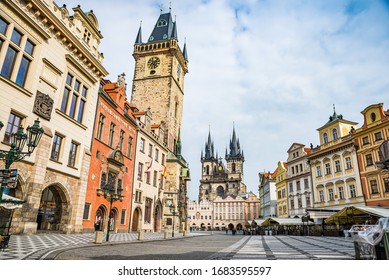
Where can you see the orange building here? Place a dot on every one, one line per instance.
(368, 138)
(112, 161)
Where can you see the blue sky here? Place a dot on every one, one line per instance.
(274, 68)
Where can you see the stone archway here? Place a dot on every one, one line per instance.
(220, 191)
(53, 213)
(136, 218)
(157, 218)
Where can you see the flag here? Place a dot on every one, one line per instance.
(164, 171)
(149, 167)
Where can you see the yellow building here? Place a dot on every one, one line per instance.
(282, 192)
(368, 138)
(335, 174)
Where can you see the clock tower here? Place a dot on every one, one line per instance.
(160, 68)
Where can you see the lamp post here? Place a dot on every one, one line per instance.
(173, 211)
(18, 141)
(111, 195)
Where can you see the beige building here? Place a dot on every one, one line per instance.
(232, 212)
(200, 215)
(335, 175)
(299, 180)
(50, 69)
(158, 86)
(282, 193)
(149, 179)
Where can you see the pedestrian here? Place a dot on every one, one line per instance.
(226, 230)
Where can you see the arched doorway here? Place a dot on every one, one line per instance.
(135, 220)
(157, 218)
(51, 212)
(99, 218)
(112, 219)
(239, 227)
(230, 226)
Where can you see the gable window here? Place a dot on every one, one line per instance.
(325, 138)
(161, 23)
(334, 134)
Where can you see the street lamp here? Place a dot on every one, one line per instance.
(18, 141)
(111, 195)
(173, 211)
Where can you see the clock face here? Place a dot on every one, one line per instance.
(220, 168)
(153, 62)
(169, 202)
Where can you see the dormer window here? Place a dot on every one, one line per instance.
(334, 134)
(373, 117)
(87, 36)
(325, 138)
(161, 23)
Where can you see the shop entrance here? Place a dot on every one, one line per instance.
(50, 210)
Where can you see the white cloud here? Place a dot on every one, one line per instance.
(273, 67)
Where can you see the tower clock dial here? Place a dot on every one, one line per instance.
(153, 62)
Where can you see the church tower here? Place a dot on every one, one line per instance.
(160, 68)
(235, 160)
(218, 179)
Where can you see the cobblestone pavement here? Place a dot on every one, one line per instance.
(38, 246)
(289, 247)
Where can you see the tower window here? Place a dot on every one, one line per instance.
(161, 23)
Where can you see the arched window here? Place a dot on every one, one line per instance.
(207, 170)
(233, 167)
(334, 134)
(325, 138)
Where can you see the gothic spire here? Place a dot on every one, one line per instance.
(139, 36)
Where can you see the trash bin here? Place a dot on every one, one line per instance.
(369, 241)
(99, 236)
(270, 232)
(266, 232)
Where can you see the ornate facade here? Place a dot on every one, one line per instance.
(335, 175)
(299, 180)
(158, 86)
(50, 69)
(368, 138)
(218, 179)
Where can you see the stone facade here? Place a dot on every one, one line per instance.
(299, 180)
(281, 190)
(200, 215)
(267, 194)
(66, 67)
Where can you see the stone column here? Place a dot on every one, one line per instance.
(35, 183)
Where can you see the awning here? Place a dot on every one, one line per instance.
(10, 202)
(283, 222)
(361, 212)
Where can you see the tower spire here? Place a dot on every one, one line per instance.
(139, 36)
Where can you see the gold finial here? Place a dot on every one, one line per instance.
(170, 6)
(160, 7)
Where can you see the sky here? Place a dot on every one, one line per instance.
(274, 69)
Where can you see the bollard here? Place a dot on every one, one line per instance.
(166, 234)
(99, 237)
(141, 235)
(184, 233)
